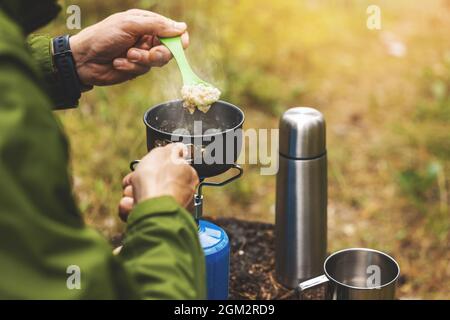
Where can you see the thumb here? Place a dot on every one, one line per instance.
(154, 24)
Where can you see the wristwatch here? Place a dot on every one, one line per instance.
(66, 71)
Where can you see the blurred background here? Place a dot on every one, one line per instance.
(385, 95)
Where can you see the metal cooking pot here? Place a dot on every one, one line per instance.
(214, 138)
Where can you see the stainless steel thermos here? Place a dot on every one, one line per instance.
(301, 198)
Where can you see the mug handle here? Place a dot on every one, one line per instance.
(189, 160)
(312, 283)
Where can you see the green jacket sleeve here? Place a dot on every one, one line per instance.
(171, 233)
(42, 234)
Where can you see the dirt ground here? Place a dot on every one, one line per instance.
(252, 263)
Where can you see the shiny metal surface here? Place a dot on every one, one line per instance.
(314, 282)
(350, 274)
(301, 198)
(302, 133)
(301, 219)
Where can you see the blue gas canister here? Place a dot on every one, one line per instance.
(216, 247)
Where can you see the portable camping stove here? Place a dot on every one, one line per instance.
(162, 123)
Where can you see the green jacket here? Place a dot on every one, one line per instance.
(42, 232)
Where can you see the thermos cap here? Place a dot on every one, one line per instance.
(302, 133)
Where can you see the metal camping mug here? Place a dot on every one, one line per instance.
(357, 274)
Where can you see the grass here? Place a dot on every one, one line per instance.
(388, 117)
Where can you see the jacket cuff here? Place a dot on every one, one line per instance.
(41, 50)
(151, 207)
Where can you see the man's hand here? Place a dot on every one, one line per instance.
(123, 46)
(163, 171)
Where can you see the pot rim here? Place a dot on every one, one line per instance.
(367, 250)
(193, 136)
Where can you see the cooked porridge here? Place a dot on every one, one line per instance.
(200, 96)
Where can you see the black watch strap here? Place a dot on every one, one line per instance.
(66, 70)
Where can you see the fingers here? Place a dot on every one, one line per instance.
(194, 177)
(126, 181)
(193, 182)
(185, 40)
(178, 152)
(142, 22)
(149, 53)
(155, 57)
(128, 191)
(133, 68)
(163, 171)
(147, 42)
(126, 204)
(139, 61)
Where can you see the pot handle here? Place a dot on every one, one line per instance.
(198, 197)
(238, 174)
(312, 283)
(133, 164)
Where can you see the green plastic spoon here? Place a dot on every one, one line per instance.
(176, 47)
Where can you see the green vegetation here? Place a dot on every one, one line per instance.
(388, 116)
